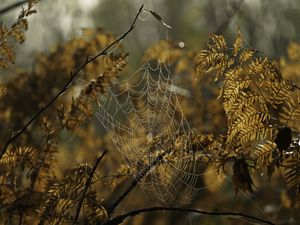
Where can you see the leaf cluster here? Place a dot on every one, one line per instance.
(16, 32)
(261, 107)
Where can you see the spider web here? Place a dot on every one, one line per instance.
(144, 119)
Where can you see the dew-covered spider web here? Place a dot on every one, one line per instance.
(142, 115)
(144, 119)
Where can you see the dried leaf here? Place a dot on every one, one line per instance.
(158, 17)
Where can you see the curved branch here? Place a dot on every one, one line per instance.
(13, 137)
(12, 6)
(119, 219)
(137, 178)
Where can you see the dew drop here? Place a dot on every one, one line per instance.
(181, 44)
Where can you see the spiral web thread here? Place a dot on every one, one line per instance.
(144, 120)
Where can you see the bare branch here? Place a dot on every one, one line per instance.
(137, 178)
(12, 7)
(66, 86)
(87, 185)
(119, 219)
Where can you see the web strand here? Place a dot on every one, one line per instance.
(144, 119)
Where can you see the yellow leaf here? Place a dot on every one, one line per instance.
(237, 43)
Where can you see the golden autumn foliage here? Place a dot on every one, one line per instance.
(243, 112)
(261, 108)
(15, 32)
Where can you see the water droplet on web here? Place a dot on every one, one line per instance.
(148, 110)
(181, 44)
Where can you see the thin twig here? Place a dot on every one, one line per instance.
(66, 86)
(119, 219)
(12, 6)
(111, 176)
(133, 184)
(87, 185)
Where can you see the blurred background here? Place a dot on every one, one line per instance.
(266, 25)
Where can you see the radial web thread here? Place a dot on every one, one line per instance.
(143, 117)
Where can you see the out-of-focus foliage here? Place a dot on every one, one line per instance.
(62, 198)
(2, 90)
(290, 66)
(16, 32)
(29, 168)
(244, 113)
(36, 167)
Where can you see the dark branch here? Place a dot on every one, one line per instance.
(133, 184)
(11, 138)
(12, 6)
(119, 219)
(87, 185)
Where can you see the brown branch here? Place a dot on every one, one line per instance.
(136, 180)
(11, 138)
(119, 219)
(87, 185)
(12, 6)
(21, 218)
